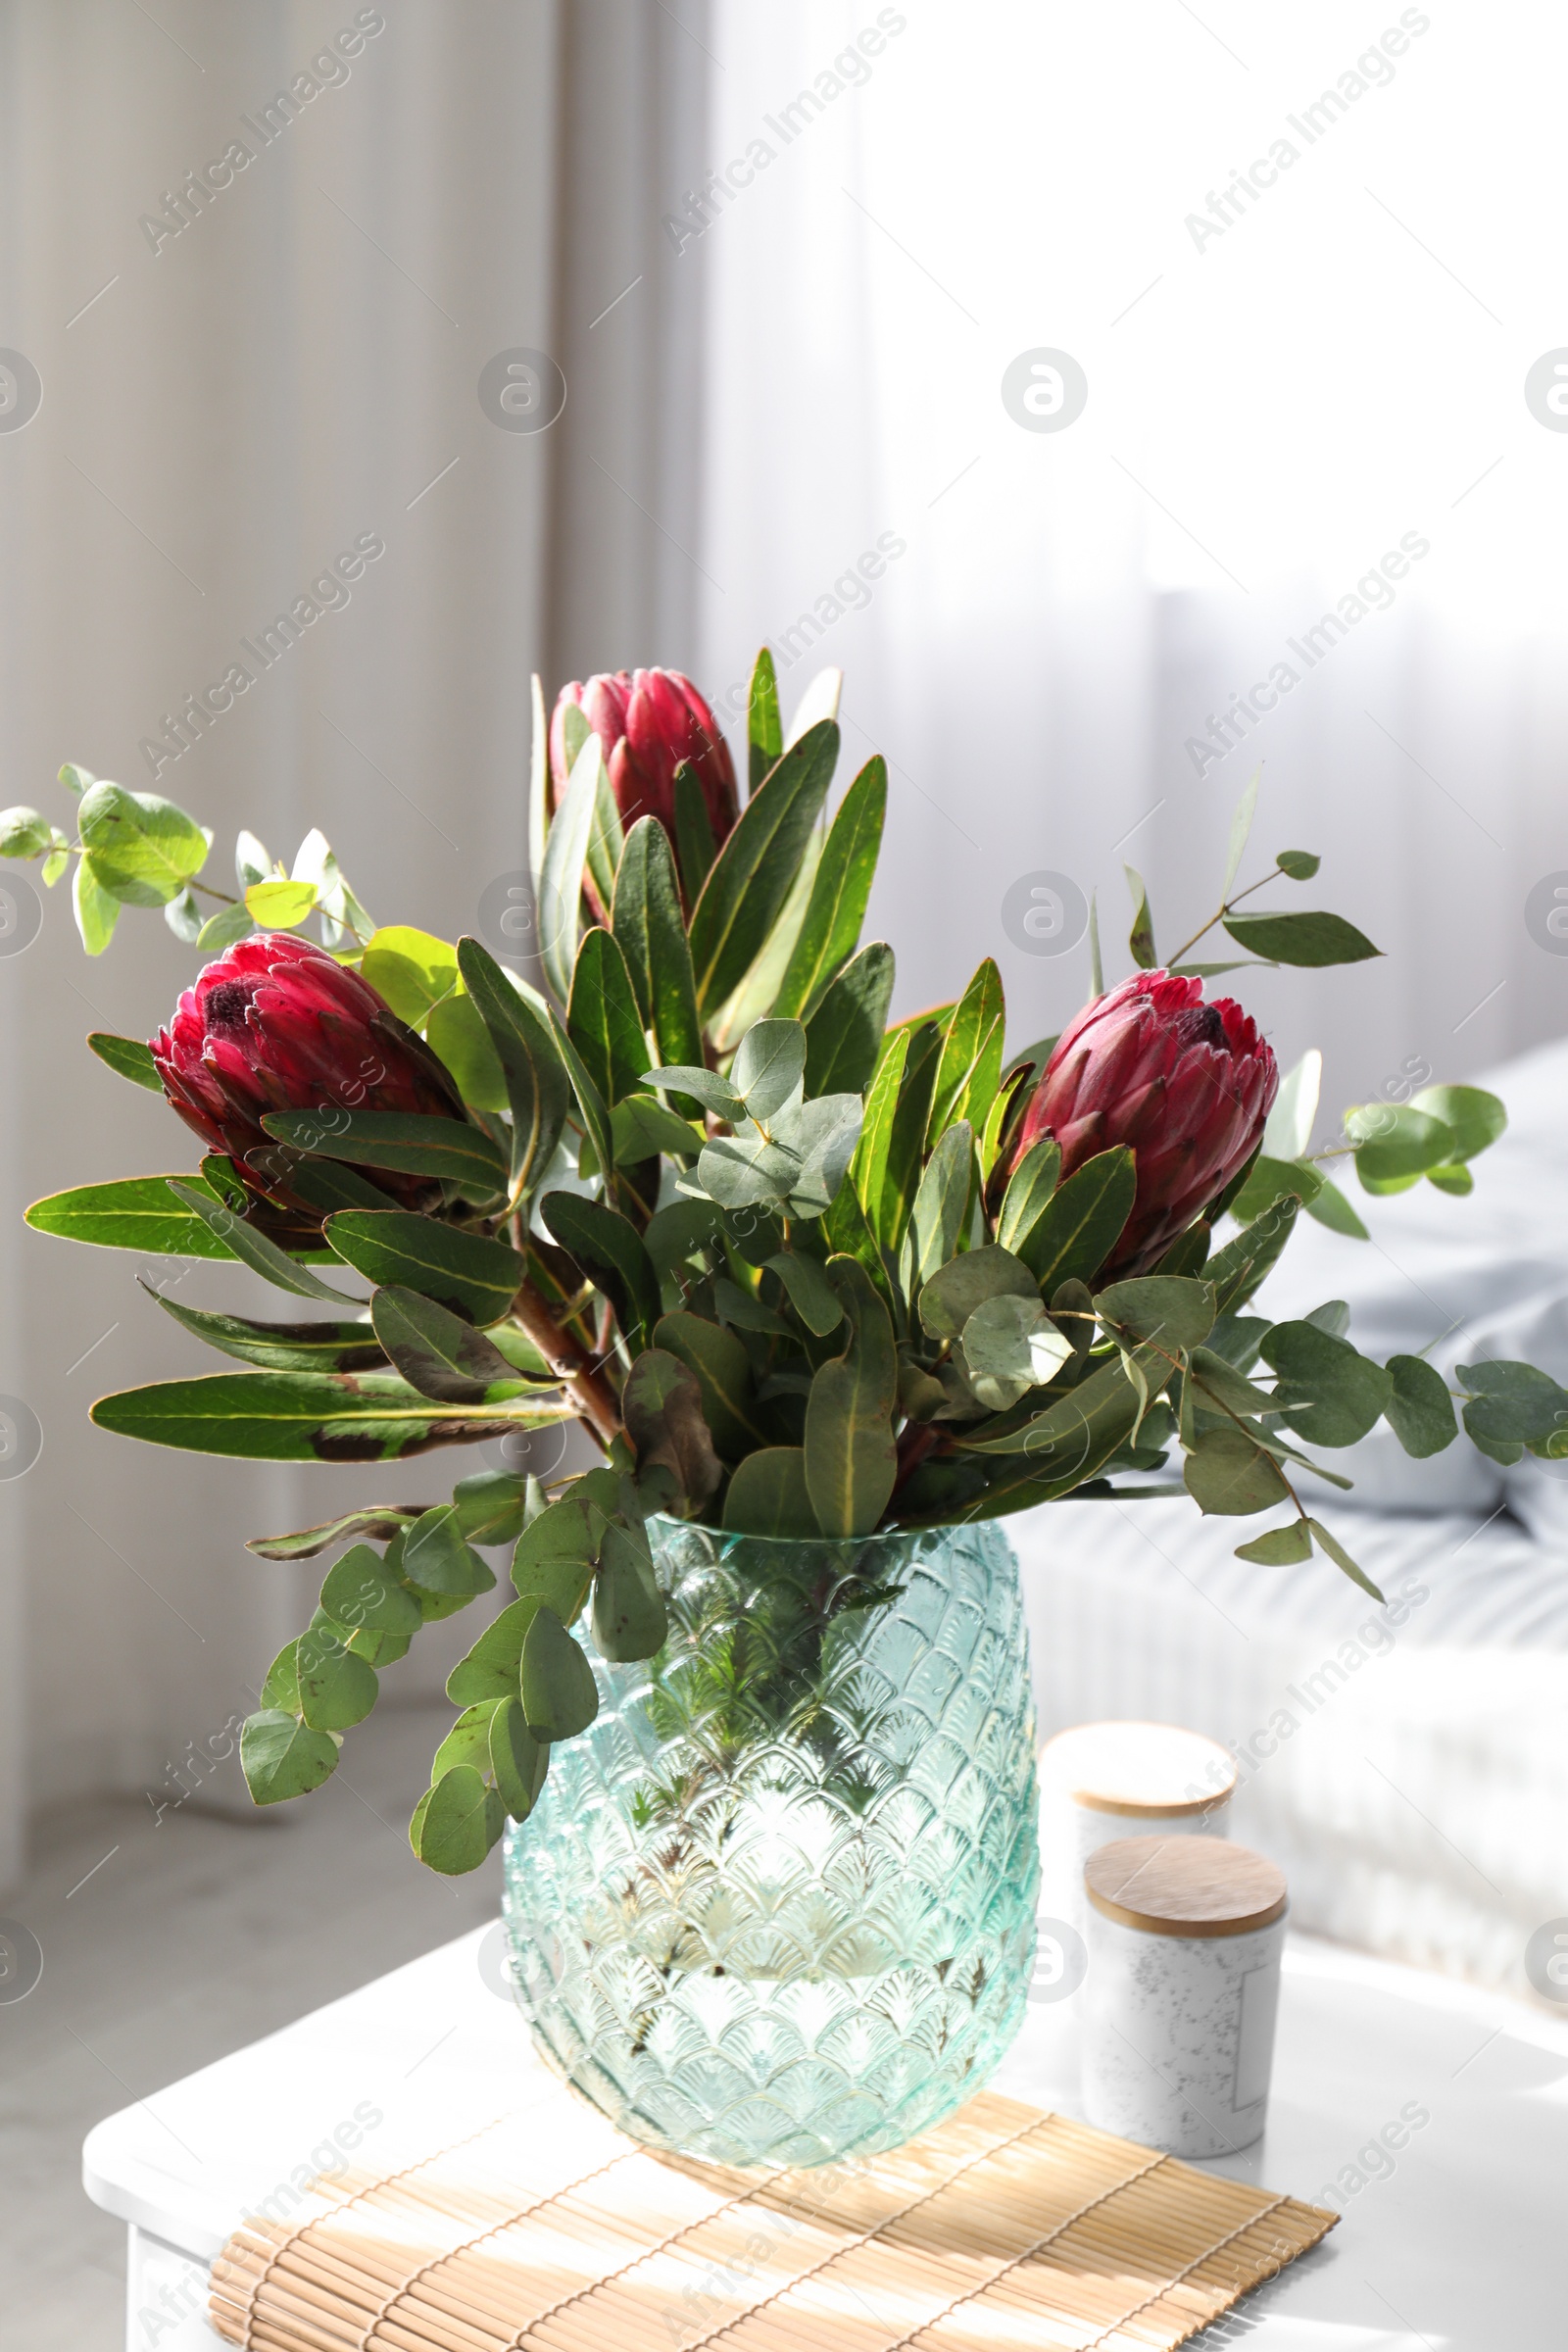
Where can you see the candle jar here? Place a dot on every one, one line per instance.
(1099, 1782)
(1185, 1936)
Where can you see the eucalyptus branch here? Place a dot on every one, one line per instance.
(1225, 907)
(571, 1364)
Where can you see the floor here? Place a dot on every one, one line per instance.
(186, 1940)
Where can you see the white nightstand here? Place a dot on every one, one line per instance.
(1450, 2106)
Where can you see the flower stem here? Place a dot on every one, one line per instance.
(572, 1366)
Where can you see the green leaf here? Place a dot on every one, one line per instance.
(1342, 1560)
(1169, 1310)
(1299, 864)
(132, 1212)
(1214, 1377)
(1420, 1410)
(602, 1018)
(1287, 1131)
(1269, 1180)
(378, 1521)
(457, 1035)
(1329, 1394)
(473, 1276)
(279, 1346)
(282, 1687)
(1028, 1196)
(184, 917)
(558, 1552)
(533, 1075)
(851, 1461)
(751, 878)
(694, 846)
(970, 1069)
(705, 1086)
(337, 1690)
(97, 909)
(224, 928)
(1229, 1475)
(746, 1171)
(457, 1823)
(844, 1035)
(942, 1202)
(1309, 940)
(1396, 1141)
(127, 1057)
(359, 1594)
(144, 850)
(629, 1618)
(1513, 1403)
(440, 1353)
(650, 931)
(1243, 1264)
(591, 1103)
(468, 1740)
(490, 1670)
(641, 1128)
(769, 1495)
(1473, 1117)
(490, 1506)
(1240, 830)
(610, 1251)
(764, 729)
(1141, 937)
(414, 971)
(769, 1066)
(1279, 1546)
(246, 1243)
(1074, 1435)
(437, 1558)
(1329, 1208)
(868, 1168)
(724, 1375)
(1082, 1221)
(1009, 1345)
(662, 1407)
(811, 1293)
(395, 1139)
(277, 905)
(952, 1294)
(304, 1416)
(1456, 1180)
(559, 1697)
(24, 833)
(565, 857)
(906, 1132)
(831, 930)
(280, 1757)
(606, 841)
(517, 1759)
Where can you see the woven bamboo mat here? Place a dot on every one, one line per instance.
(1006, 2230)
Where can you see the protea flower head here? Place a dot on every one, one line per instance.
(278, 1024)
(1187, 1085)
(648, 721)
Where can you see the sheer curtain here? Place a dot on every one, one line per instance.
(230, 399)
(1288, 381)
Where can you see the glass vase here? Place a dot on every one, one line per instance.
(777, 1905)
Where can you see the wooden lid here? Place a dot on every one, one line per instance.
(1139, 1768)
(1185, 1885)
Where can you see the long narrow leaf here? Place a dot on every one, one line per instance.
(565, 859)
(831, 931)
(751, 876)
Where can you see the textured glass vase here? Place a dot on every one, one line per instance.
(776, 1908)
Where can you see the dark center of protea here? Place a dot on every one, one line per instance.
(224, 1006)
(1199, 1025)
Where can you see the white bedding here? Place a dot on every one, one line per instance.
(1406, 1766)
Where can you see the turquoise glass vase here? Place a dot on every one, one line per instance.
(777, 1905)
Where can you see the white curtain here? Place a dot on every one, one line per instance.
(1326, 370)
(229, 401)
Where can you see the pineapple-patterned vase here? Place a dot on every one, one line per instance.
(776, 1908)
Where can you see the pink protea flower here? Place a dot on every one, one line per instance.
(278, 1024)
(648, 721)
(1187, 1085)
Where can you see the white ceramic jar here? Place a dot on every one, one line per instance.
(1103, 1781)
(1182, 1991)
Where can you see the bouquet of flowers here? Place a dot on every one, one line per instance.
(797, 1272)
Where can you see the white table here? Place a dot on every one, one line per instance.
(1457, 2240)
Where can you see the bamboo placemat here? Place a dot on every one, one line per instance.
(1006, 2230)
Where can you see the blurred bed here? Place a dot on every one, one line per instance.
(1406, 1765)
